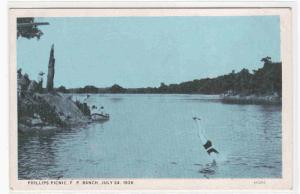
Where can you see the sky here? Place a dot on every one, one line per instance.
(145, 51)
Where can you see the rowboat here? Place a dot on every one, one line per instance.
(100, 116)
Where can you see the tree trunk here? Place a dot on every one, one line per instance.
(51, 71)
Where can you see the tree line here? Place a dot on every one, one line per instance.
(263, 81)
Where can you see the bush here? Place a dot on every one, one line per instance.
(83, 107)
(32, 104)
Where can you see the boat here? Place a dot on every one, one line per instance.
(100, 116)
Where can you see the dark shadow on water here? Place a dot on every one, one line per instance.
(116, 99)
(209, 169)
(101, 123)
(198, 164)
(202, 100)
(268, 115)
(37, 153)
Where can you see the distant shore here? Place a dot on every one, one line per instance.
(225, 98)
(252, 99)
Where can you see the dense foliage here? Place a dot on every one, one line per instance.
(62, 89)
(83, 107)
(27, 28)
(264, 81)
(32, 104)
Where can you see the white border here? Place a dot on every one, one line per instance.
(164, 4)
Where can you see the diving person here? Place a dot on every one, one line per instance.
(207, 144)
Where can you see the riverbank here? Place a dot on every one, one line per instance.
(49, 111)
(251, 99)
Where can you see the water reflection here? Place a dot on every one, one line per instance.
(152, 136)
(209, 169)
(116, 99)
(268, 124)
(36, 154)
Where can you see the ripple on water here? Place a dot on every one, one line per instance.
(140, 141)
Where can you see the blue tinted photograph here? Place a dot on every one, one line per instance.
(149, 97)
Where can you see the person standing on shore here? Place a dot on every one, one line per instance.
(40, 81)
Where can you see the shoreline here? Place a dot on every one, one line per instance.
(252, 99)
(48, 112)
(229, 99)
(223, 98)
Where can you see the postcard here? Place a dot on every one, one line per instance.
(151, 98)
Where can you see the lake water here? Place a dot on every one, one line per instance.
(154, 136)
